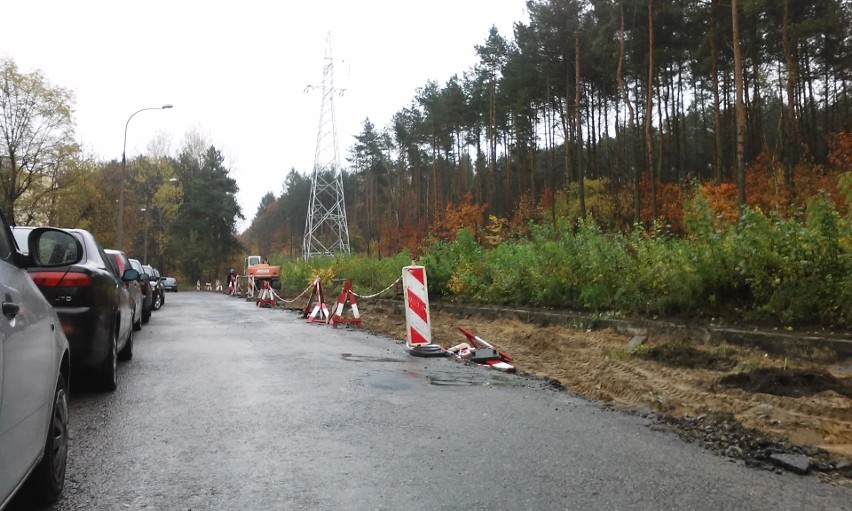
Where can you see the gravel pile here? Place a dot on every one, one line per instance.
(725, 436)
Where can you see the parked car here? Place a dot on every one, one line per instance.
(134, 287)
(156, 283)
(93, 305)
(34, 368)
(147, 292)
(170, 284)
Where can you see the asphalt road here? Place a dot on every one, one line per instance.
(229, 407)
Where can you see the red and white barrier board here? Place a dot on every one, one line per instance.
(346, 296)
(418, 327)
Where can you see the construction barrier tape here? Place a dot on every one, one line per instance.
(294, 299)
(366, 297)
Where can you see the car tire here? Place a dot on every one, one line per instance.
(126, 352)
(48, 479)
(158, 302)
(146, 316)
(107, 377)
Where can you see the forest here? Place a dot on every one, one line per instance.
(618, 156)
(613, 110)
(686, 121)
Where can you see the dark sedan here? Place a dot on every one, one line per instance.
(147, 290)
(93, 306)
(156, 283)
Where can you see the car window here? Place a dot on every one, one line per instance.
(119, 263)
(109, 261)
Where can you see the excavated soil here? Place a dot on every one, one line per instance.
(789, 401)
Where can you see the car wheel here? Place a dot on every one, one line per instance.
(108, 375)
(158, 302)
(48, 478)
(126, 352)
(146, 316)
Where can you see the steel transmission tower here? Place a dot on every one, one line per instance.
(326, 230)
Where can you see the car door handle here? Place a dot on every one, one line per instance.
(11, 309)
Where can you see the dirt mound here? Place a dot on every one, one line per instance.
(788, 382)
(679, 354)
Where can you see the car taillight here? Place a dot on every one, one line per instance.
(61, 279)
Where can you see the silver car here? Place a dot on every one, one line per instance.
(34, 369)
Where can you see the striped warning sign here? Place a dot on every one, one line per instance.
(418, 329)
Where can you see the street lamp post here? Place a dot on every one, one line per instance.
(124, 172)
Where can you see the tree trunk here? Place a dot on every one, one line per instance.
(791, 144)
(740, 108)
(649, 111)
(631, 122)
(578, 120)
(717, 114)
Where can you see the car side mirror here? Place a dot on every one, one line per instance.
(53, 247)
(129, 275)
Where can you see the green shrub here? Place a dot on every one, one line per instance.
(794, 270)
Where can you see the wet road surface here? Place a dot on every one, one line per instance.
(229, 407)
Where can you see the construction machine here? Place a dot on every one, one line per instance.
(259, 268)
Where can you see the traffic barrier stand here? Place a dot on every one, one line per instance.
(234, 288)
(484, 353)
(198, 285)
(320, 308)
(218, 286)
(208, 286)
(250, 288)
(266, 297)
(345, 295)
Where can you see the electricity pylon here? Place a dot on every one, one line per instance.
(326, 230)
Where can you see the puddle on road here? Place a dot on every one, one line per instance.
(404, 379)
(462, 381)
(349, 357)
(388, 381)
(450, 382)
(457, 377)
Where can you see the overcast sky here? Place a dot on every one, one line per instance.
(236, 72)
